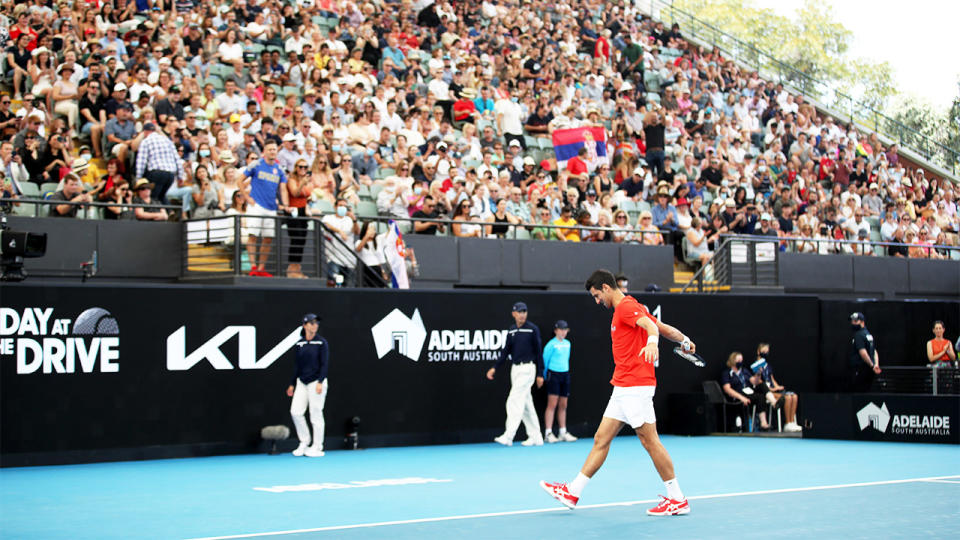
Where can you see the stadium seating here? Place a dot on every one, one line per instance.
(769, 122)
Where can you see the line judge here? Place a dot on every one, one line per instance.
(525, 350)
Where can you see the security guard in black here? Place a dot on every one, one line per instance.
(863, 373)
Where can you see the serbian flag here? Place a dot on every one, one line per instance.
(396, 252)
(567, 142)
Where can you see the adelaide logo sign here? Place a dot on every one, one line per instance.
(43, 343)
(407, 336)
(882, 420)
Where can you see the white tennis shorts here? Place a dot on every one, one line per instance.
(632, 404)
(257, 225)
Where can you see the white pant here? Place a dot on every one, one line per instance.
(302, 395)
(520, 401)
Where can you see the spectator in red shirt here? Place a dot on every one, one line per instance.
(602, 48)
(576, 166)
(464, 109)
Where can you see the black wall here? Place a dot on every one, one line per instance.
(447, 262)
(51, 417)
(125, 249)
(878, 277)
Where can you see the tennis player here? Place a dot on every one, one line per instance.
(636, 336)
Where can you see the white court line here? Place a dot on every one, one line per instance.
(563, 509)
(944, 481)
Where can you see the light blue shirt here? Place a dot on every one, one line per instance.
(660, 216)
(556, 356)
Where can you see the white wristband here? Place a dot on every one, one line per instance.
(653, 340)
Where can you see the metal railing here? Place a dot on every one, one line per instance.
(519, 231)
(716, 272)
(90, 210)
(935, 379)
(768, 66)
(238, 244)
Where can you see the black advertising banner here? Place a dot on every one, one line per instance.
(93, 369)
(882, 417)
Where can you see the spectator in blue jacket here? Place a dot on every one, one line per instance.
(556, 372)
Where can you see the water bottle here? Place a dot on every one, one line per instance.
(739, 423)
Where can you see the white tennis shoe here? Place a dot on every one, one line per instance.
(538, 441)
(502, 439)
(313, 451)
(300, 450)
(551, 438)
(567, 437)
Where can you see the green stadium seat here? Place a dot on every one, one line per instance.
(628, 205)
(375, 190)
(323, 206)
(25, 210)
(367, 209)
(48, 188)
(30, 189)
(522, 233)
(643, 206)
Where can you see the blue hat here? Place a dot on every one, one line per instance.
(519, 306)
(310, 317)
(561, 324)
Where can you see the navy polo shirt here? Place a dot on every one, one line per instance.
(523, 345)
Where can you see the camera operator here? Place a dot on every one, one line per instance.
(73, 192)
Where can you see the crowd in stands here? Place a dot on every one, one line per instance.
(427, 109)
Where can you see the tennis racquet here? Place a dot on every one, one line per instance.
(691, 357)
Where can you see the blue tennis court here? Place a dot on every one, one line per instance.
(738, 487)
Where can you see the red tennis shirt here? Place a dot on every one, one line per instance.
(628, 339)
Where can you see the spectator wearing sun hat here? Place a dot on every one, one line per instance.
(464, 108)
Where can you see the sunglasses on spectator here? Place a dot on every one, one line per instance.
(301, 166)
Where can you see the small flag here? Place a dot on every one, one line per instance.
(396, 252)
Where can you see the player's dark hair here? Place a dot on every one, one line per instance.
(935, 323)
(599, 278)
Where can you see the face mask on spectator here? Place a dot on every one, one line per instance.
(204, 153)
(86, 157)
(418, 190)
(370, 152)
(135, 43)
(341, 211)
